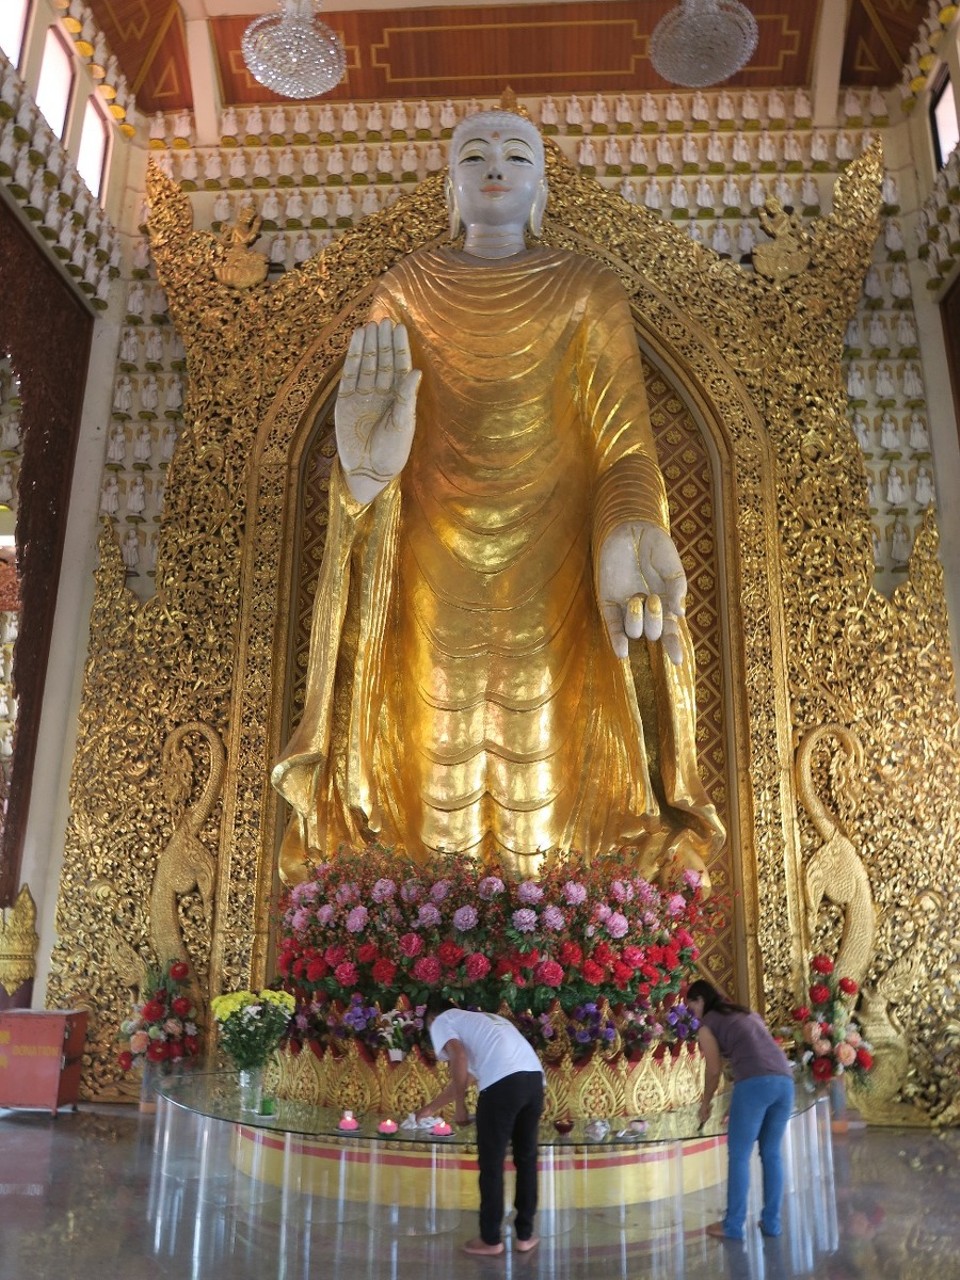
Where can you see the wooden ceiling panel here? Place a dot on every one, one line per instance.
(536, 49)
(457, 51)
(148, 40)
(879, 36)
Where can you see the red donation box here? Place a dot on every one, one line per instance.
(41, 1053)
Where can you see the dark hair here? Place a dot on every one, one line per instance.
(437, 1003)
(714, 1001)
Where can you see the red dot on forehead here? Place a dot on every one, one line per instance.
(494, 135)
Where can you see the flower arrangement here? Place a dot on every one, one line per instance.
(252, 1024)
(828, 1038)
(379, 927)
(163, 1025)
(401, 1028)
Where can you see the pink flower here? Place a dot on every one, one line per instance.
(846, 1054)
(490, 887)
(477, 966)
(346, 973)
(139, 1041)
(464, 918)
(621, 892)
(574, 893)
(529, 893)
(853, 1037)
(383, 890)
(427, 969)
(347, 893)
(325, 914)
(524, 920)
(822, 1048)
(440, 890)
(811, 1032)
(300, 918)
(357, 919)
(411, 944)
(617, 924)
(691, 879)
(553, 919)
(411, 891)
(676, 903)
(428, 916)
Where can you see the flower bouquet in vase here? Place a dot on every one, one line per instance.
(828, 1037)
(250, 1026)
(162, 1031)
(401, 1028)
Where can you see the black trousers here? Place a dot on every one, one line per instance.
(508, 1112)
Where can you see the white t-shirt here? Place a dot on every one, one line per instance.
(494, 1047)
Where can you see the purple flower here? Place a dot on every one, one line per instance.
(440, 890)
(553, 918)
(347, 893)
(464, 918)
(524, 920)
(325, 914)
(620, 891)
(300, 918)
(603, 913)
(428, 916)
(651, 919)
(383, 890)
(574, 893)
(305, 892)
(691, 879)
(357, 919)
(675, 904)
(529, 892)
(616, 924)
(646, 893)
(489, 887)
(411, 891)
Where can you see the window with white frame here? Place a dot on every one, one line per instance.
(944, 124)
(56, 81)
(94, 146)
(13, 23)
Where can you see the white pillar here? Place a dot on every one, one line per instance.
(827, 60)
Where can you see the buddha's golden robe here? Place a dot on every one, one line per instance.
(462, 692)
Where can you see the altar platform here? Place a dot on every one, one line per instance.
(224, 1183)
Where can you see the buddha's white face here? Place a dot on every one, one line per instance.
(497, 173)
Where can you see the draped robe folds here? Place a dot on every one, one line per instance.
(462, 692)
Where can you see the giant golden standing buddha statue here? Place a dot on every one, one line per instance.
(498, 535)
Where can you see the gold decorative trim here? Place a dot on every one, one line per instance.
(19, 941)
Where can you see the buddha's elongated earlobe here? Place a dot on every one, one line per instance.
(453, 209)
(537, 208)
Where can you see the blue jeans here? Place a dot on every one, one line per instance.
(759, 1111)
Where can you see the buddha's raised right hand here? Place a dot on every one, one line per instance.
(375, 412)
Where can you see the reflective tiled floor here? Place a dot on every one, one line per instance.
(75, 1204)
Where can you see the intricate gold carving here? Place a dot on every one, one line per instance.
(351, 1078)
(808, 640)
(241, 269)
(185, 863)
(18, 942)
(789, 252)
(836, 870)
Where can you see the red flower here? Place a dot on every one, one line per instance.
(821, 964)
(822, 1068)
(570, 954)
(428, 969)
(819, 993)
(801, 1013)
(317, 969)
(477, 966)
(633, 956)
(450, 954)
(548, 973)
(603, 953)
(181, 1006)
(285, 962)
(154, 1011)
(174, 1049)
(848, 986)
(622, 974)
(528, 959)
(157, 1050)
(411, 944)
(864, 1059)
(346, 973)
(335, 955)
(179, 970)
(593, 972)
(125, 1060)
(191, 1045)
(384, 971)
(367, 953)
(503, 967)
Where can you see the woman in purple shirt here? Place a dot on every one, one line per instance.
(759, 1109)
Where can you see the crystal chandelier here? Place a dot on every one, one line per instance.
(702, 42)
(293, 52)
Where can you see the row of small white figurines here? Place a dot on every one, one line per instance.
(777, 108)
(898, 484)
(85, 235)
(393, 162)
